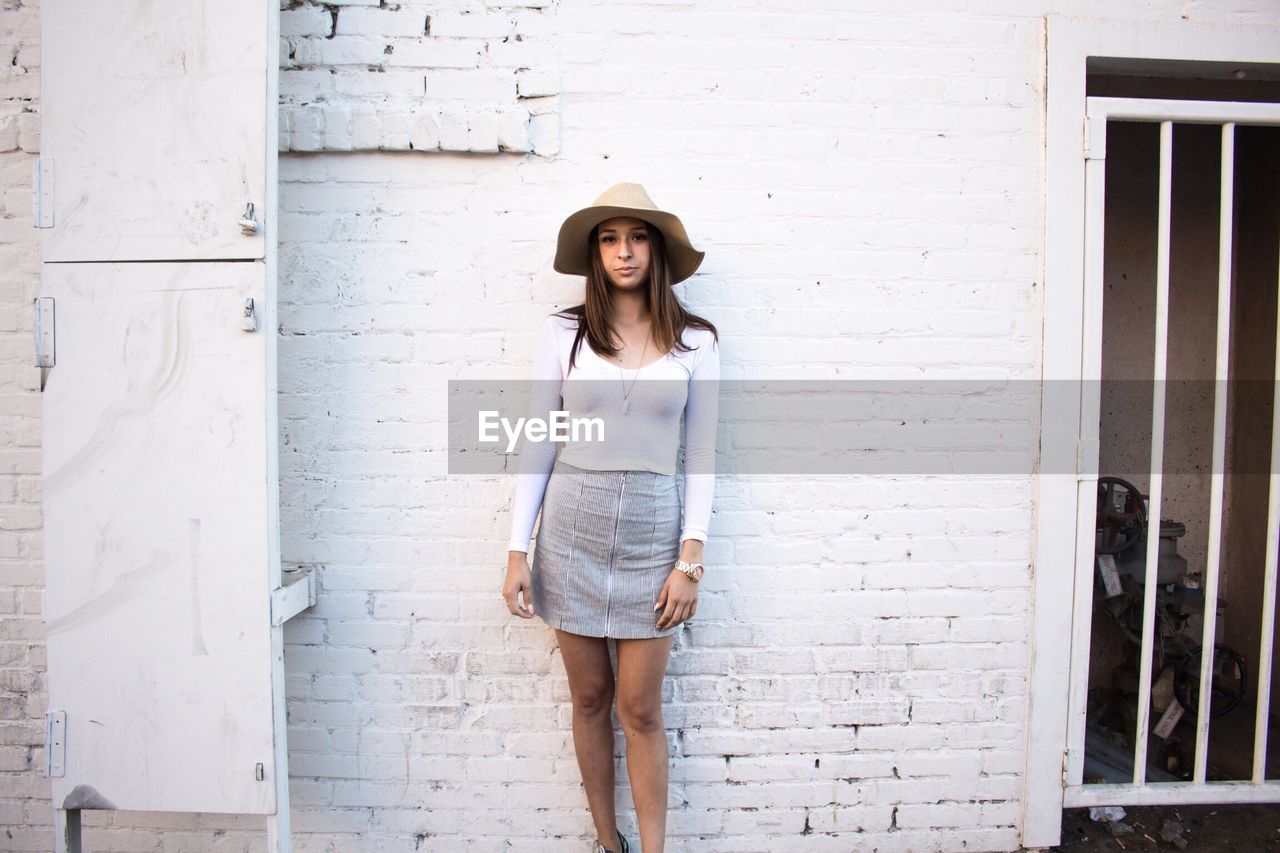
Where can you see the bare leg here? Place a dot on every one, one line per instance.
(586, 662)
(641, 667)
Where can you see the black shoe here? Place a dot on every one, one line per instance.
(600, 848)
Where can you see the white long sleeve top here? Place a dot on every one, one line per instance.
(645, 438)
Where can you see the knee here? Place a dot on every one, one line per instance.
(639, 716)
(593, 700)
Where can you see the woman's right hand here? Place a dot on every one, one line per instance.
(519, 582)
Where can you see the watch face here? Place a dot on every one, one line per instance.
(697, 573)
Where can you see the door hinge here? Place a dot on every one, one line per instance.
(42, 182)
(55, 743)
(46, 340)
(1064, 768)
(1095, 138)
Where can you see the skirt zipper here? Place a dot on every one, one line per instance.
(608, 593)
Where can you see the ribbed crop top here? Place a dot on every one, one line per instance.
(645, 438)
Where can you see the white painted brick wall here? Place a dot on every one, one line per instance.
(24, 795)
(478, 77)
(864, 181)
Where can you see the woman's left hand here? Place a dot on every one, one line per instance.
(678, 600)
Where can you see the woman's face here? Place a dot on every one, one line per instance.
(624, 251)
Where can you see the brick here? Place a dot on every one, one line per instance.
(8, 133)
(482, 130)
(513, 130)
(424, 131)
(532, 83)
(400, 21)
(469, 85)
(305, 21)
(306, 126)
(434, 53)
(468, 24)
(393, 131)
(336, 133)
(454, 135)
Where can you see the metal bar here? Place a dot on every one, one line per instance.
(296, 594)
(1157, 454)
(1226, 203)
(1195, 112)
(1269, 581)
(1087, 467)
(1170, 793)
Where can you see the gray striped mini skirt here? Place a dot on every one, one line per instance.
(605, 546)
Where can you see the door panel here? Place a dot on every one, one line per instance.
(156, 511)
(153, 123)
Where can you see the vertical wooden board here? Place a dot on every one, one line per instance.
(152, 117)
(157, 557)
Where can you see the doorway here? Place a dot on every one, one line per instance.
(1081, 52)
(1181, 422)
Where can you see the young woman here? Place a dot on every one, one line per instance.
(618, 554)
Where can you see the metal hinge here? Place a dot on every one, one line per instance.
(1095, 138)
(46, 341)
(1069, 757)
(296, 595)
(42, 183)
(55, 743)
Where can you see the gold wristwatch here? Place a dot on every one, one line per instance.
(693, 570)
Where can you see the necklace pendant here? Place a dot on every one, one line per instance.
(626, 404)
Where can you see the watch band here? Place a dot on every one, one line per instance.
(693, 570)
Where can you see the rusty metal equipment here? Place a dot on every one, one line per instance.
(1120, 559)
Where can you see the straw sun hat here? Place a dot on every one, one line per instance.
(624, 200)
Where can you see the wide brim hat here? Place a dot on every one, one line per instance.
(624, 199)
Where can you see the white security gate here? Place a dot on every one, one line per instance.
(1225, 115)
(164, 602)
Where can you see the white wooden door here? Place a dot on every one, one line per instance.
(159, 412)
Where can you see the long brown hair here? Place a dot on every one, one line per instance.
(668, 318)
